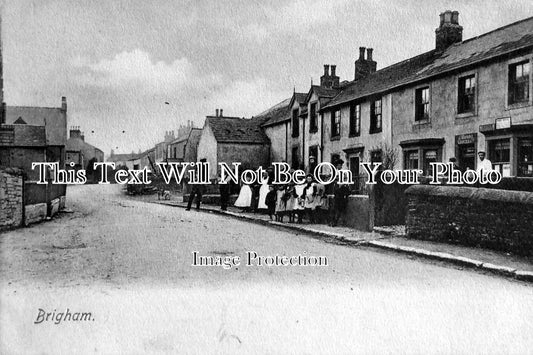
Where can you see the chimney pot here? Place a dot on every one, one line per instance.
(455, 17)
(362, 53)
(369, 54)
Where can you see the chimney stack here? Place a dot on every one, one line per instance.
(221, 113)
(216, 112)
(329, 79)
(364, 66)
(63, 103)
(449, 30)
(75, 132)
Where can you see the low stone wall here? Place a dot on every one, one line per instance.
(358, 213)
(35, 213)
(11, 198)
(490, 218)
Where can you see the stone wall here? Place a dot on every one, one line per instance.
(11, 198)
(496, 219)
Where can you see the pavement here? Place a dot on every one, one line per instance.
(391, 238)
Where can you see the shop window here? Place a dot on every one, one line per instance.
(519, 82)
(525, 156)
(411, 159)
(430, 156)
(500, 156)
(467, 94)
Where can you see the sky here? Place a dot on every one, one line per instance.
(120, 62)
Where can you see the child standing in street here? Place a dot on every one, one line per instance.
(270, 201)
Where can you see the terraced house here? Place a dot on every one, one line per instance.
(460, 98)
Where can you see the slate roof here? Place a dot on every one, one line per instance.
(499, 42)
(237, 130)
(277, 114)
(54, 118)
(122, 157)
(76, 144)
(24, 136)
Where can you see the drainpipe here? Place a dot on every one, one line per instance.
(303, 141)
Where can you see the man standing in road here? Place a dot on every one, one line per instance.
(197, 190)
(340, 197)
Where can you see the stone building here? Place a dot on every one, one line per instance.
(81, 153)
(276, 122)
(455, 100)
(33, 134)
(185, 147)
(233, 139)
(307, 124)
(160, 149)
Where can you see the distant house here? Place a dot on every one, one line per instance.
(81, 153)
(233, 139)
(33, 134)
(121, 159)
(160, 151)
(185, 148)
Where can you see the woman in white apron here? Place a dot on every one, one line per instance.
(244, 200)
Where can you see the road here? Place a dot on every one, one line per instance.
(129, 263)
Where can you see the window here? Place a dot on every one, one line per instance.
(420, 156)
(313, 124)
(499, 155)
(335, 123)
(355, 120)
(519, 82)
(422, 104)
(295, 123)
(430, 156)
(411, 159)
(295, 158)
(375, 116)
(525, 156)
(467, 94)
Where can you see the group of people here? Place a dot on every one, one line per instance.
(294, 201)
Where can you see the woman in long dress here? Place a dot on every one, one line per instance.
(263, 192)
(245, 197)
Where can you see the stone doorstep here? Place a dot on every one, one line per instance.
(458, 260)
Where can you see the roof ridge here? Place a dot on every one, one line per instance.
(497, 29)
(45, 107)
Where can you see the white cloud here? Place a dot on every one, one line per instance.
(248, 98)
(135, 68)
